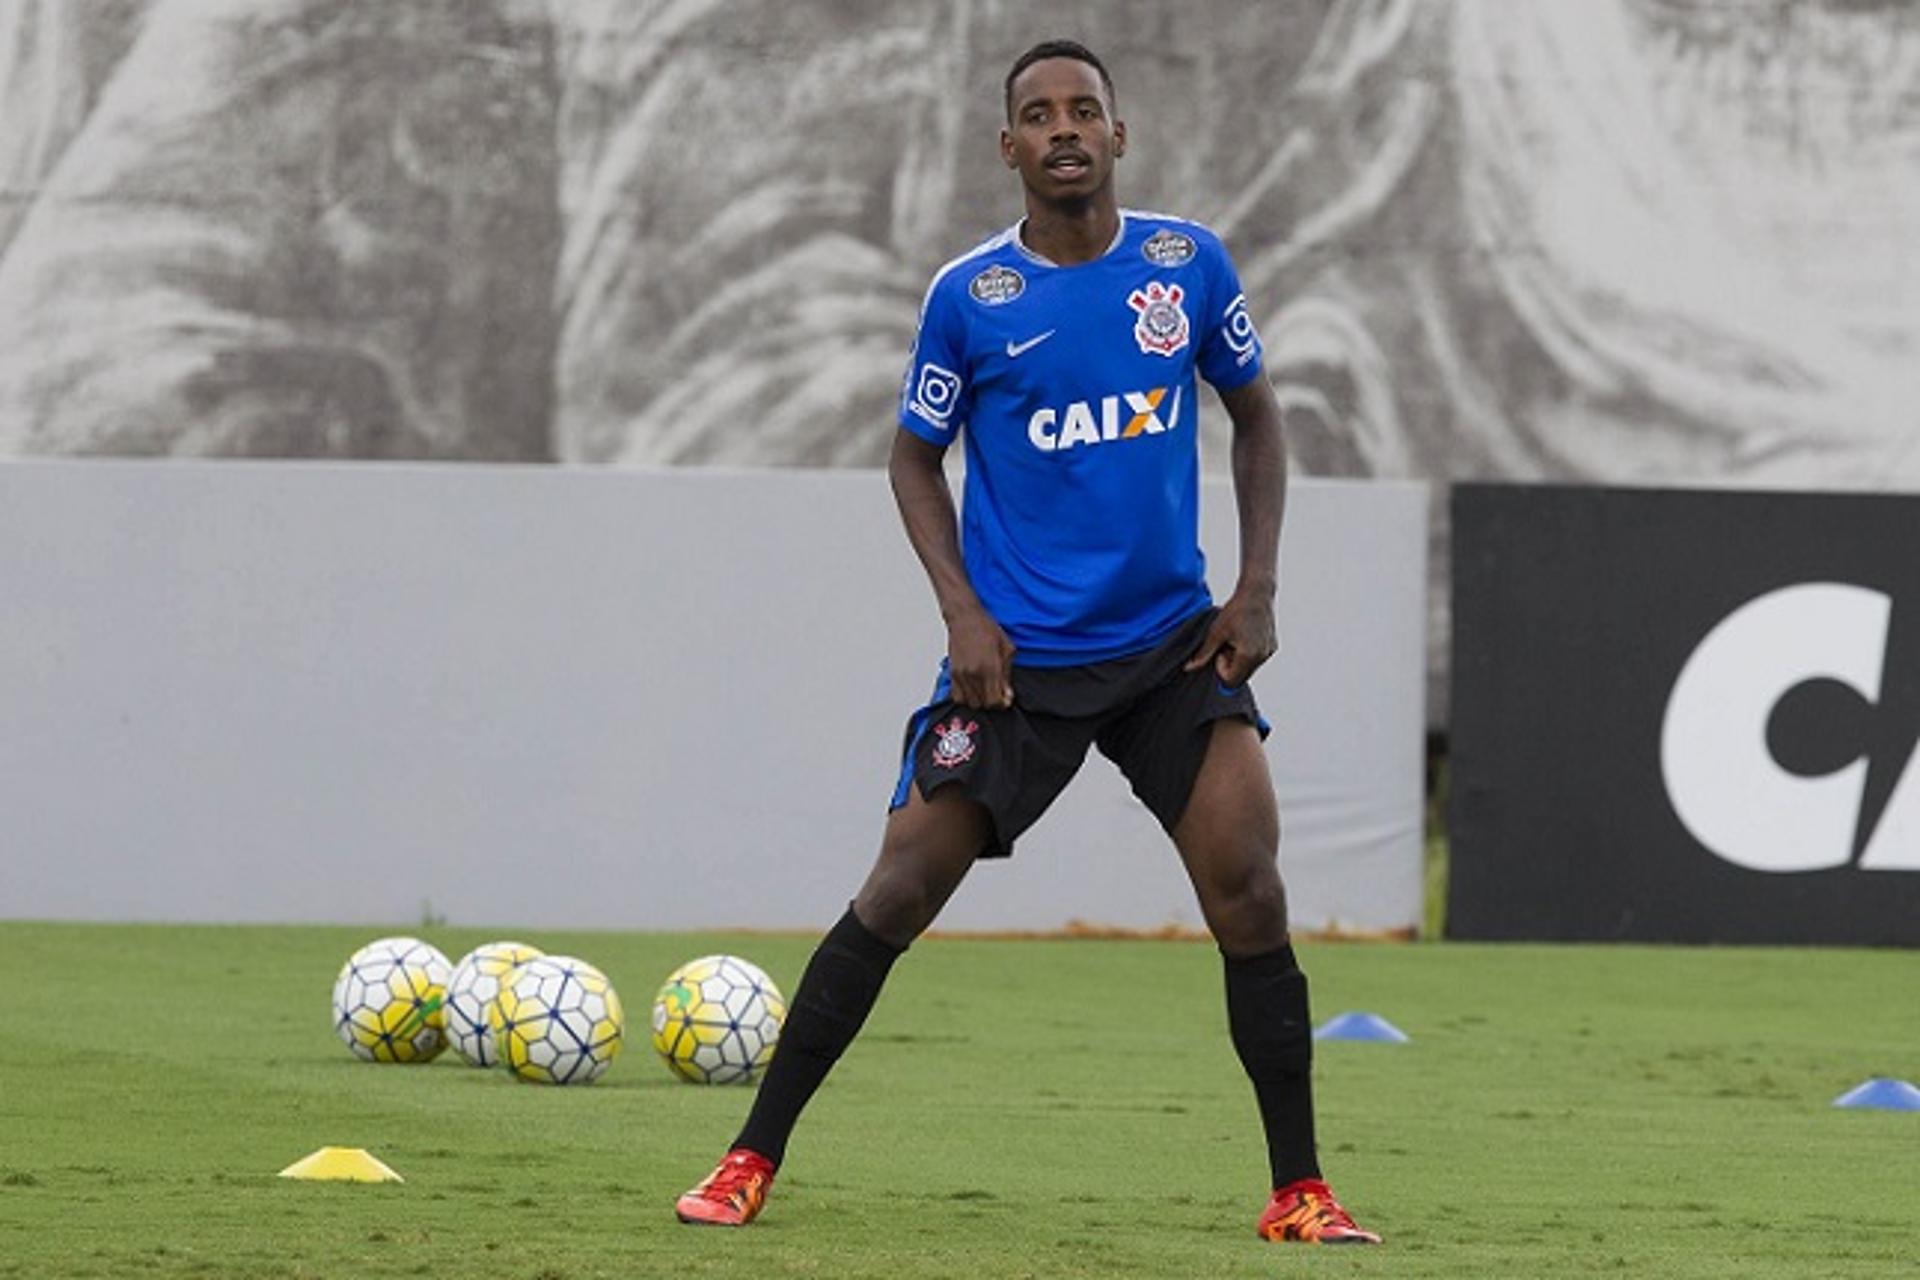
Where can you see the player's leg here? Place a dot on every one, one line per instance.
(926, 851)
(970, 782)
(1229, 838)
(928, 846)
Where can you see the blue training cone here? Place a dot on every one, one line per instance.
(1361, 1026)
(1882, 1094)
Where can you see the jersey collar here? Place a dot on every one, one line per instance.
(1020, 243)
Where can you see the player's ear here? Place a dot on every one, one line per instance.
(1006, 149)
(1119, 138)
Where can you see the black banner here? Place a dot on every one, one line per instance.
(1685, 716)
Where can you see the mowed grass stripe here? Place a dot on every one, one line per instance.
(1017, 1108)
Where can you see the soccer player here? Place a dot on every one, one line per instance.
(1063, 351)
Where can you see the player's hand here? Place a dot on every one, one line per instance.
(1241, 637)
(979, 661)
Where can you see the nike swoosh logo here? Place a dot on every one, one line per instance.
(1016, 349)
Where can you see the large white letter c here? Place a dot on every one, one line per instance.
(1723, 782)
(1038, 430)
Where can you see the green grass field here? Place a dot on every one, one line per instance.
(1015, 1109)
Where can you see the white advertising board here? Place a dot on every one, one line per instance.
(555, 696)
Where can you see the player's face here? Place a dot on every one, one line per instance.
(1063, 138)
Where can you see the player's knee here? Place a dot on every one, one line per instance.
(897, 906)
(1248, 881)
(926, 853)
(1249, 912)
(1264, 898)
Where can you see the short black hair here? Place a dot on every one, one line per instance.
(1058, 49)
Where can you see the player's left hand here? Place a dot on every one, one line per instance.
(1241, 637)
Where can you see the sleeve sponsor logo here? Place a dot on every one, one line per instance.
(1168, 249)
(934, 395)
(1236, 326)
(996, 286)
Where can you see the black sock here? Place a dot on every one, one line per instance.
(1267, 1014)
(834, 997)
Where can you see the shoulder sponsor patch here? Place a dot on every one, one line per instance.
(997, 285)
(1165, 248)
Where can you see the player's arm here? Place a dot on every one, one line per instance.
(1243, 636)
(979, 655)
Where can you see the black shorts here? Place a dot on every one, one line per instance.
(1143, 712)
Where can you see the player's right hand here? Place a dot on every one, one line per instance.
(979, 661)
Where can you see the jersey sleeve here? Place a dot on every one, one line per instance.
(935, 396)
(1230, 347)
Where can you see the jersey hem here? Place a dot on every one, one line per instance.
(1025, 656)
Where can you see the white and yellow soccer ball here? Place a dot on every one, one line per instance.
(388, 1001)
(717, 1019)
(471, 993)
(557, 1020)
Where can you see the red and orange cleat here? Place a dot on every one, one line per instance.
(732, 1194)
(1306, 1212)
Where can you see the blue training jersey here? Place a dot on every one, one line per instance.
(1074, 389)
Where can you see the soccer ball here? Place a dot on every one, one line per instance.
(471, 991)
(716, 1020)
(557, 1020)
(387, 1001)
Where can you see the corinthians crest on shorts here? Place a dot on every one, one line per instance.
(954, 743)
(1161, 328)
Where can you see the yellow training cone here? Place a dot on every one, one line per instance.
(341, 1164)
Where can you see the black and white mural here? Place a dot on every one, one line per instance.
(1609, 240)
(1645, 242)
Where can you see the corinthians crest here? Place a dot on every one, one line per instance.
(953, 742)
(1161, 329)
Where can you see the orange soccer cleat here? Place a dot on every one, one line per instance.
(732, 1194)
(1306, 1212)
